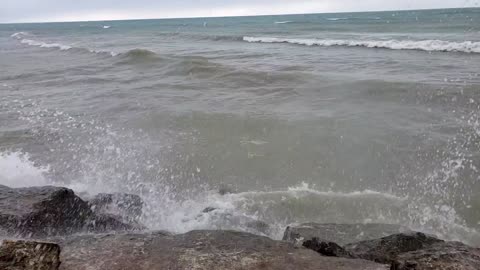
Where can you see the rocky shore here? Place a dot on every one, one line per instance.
(49, 228)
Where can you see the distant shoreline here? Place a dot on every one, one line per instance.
(240, 16)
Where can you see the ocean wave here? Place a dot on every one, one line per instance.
(336, 19)
(421, 45)
(138, 53)
(283, 22)
(20, 36)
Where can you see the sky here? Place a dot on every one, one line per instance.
(92, 10)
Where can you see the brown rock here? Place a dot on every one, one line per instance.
(440, 256)
(341, 234)
(386, 249)
(27, 255)
(209, 250)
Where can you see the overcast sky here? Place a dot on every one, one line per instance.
(84, 10)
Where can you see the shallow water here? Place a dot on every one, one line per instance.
(361, 117)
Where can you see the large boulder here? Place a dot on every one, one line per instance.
(386, 249)
(46, 211)
(212, 250)
(441, 255)
(27, 255)
(340, 233)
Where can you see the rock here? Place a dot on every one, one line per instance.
(27, 255)
(46, 211)
(209, 209)
(212, 250)
(223, 219)
(441, 255)
(258, 226)
(127, 206)
(39, 211)
(340, 233)
(386, 249)
(326, 248)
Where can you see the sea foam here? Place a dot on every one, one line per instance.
(422, 45)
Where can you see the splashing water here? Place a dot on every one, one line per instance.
(97, 158)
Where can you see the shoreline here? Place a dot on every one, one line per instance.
(62, 231)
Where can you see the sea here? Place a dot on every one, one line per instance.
(331, 118)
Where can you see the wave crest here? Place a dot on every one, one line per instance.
(421, 45)
(138, 56)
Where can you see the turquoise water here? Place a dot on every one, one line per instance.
(351, 117)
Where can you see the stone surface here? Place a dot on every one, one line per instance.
(45, 211)
(28, 255)
(340, 233)
(326, 248)
(386, 249)
(212, 250)
(440, 256)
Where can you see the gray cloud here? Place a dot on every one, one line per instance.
(69, 10)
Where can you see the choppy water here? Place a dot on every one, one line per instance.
(362, 117)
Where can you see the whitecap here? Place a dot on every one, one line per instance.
(422, 45)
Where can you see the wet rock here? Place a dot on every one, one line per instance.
(209, 209)
(326, 248)
(212, 250)
(258, 226)
(386, 249)
(46, 211)
(127, 206)
(441, 255)
(28, 255)
(340, 233)
(40, 211)
(223, 220)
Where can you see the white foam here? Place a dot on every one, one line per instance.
(31, 42)
(423, 45)
(45, 45)
(283, 22)
(336, 19)
(17, 170)
(106, 26)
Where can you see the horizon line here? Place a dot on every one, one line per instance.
(236, 16)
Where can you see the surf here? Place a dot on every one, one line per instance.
(420, 45)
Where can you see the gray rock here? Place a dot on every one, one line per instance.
(46, 211)
(27, 255)
(386, 249)
(209, 209)
(326, 248)
(340, 233)
(225, 220)
(441, 255)
(212, 250)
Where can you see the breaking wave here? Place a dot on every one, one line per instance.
(17, 170)
(138, 56)
(24, 38)
(421, 45)
(133, 55)
(21, 37)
